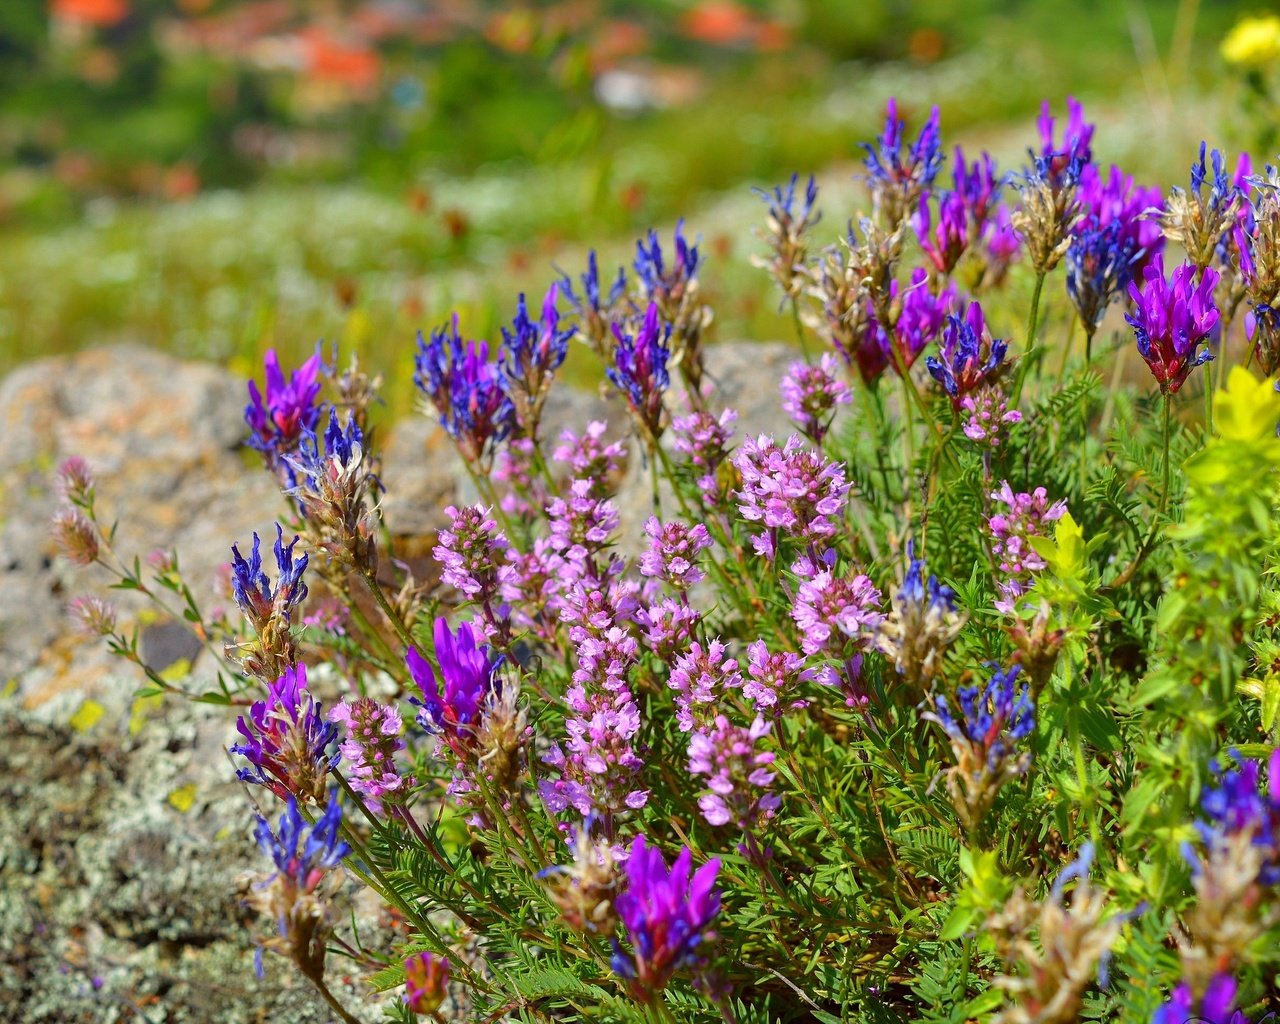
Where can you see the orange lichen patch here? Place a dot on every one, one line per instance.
(90, 12)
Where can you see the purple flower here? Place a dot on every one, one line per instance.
(999, 246)
(252, 589)
(782, 204)
(988, 417)
(738, 775)
(660, 283)
(639, 369)
(977, 185)
(672, 552)
(969, 355)
(277, 421)
(1238, 805)
(473, 552)
(792, 490)
(1215, 1006)
(1172, 319)
(530, 355)
(467, 391)
(287, 740)
(1099, 263)
(1115, 200)
(373, 739)
(1062, 165)
(830, 608)
(592, 309)
(667, 917)
(669, 626)
(989, 720)
(774, 678)
(922, 315)
(921, 625)
(304, 853)
(467, 671)
(426, 982)
(946, 243)
(590, 457)
(896, 180)
(1028, 515)
(700, 677)
(810, 395)
(598, 766)
(705, 439)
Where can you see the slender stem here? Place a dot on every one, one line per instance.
(800, 335)
(1149, 542)
(397, 623)
(336, 1006)
(653, 478)
(1030, 351)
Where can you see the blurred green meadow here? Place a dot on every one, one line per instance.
(220, 177)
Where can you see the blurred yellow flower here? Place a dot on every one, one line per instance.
(1253, 41)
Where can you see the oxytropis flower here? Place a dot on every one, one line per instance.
(970, 357)
(373, 739)
(332, 483)
(1027, 515)
(921, 624)
(1214, 1006)
(278, 419)
(303, 855)
(810, 395)
(287, 741)
(774, 678)
(530, 355)
(788, 226)
(667, 916)
(595, 311)
(466, 390)
(989, 417)
(426, 982)
(985, 726)
(737, 773)
(468, 674)
(1172, 319)
(269, 609)
(791, 491)
(639, 371)
(897, 180)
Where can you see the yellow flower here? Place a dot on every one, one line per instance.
(1253, 42)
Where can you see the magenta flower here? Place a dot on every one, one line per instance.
(830, 608)
(898, 179)
(810, 395)
(700, 677)
(774, 678)
(466, 390)
(467, 671)
(667, 917)
(945, 243)
(426, 980)
(790, 490)
(969, 355)
(705, 439)
(922, 315)
(1059, 164)
(639, 369)
(1172, 319)
(978, 186)
(277, 419)
(287, 741)
(581, 523)
(738, 775)
(472, 551)
(989, 417)
(373, 739)
(590, 457)
(673, 551)
(1028, 515)
(669, 626)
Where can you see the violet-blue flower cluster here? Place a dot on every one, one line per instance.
(287, 741)
(252, 588)
(278, 419)
(1172, 320)
(667, 916)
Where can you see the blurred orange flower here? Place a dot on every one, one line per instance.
(90, 12)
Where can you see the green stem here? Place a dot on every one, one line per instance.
(1030, 351)
(397, 623)
(800, 336)
(334, 1005)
